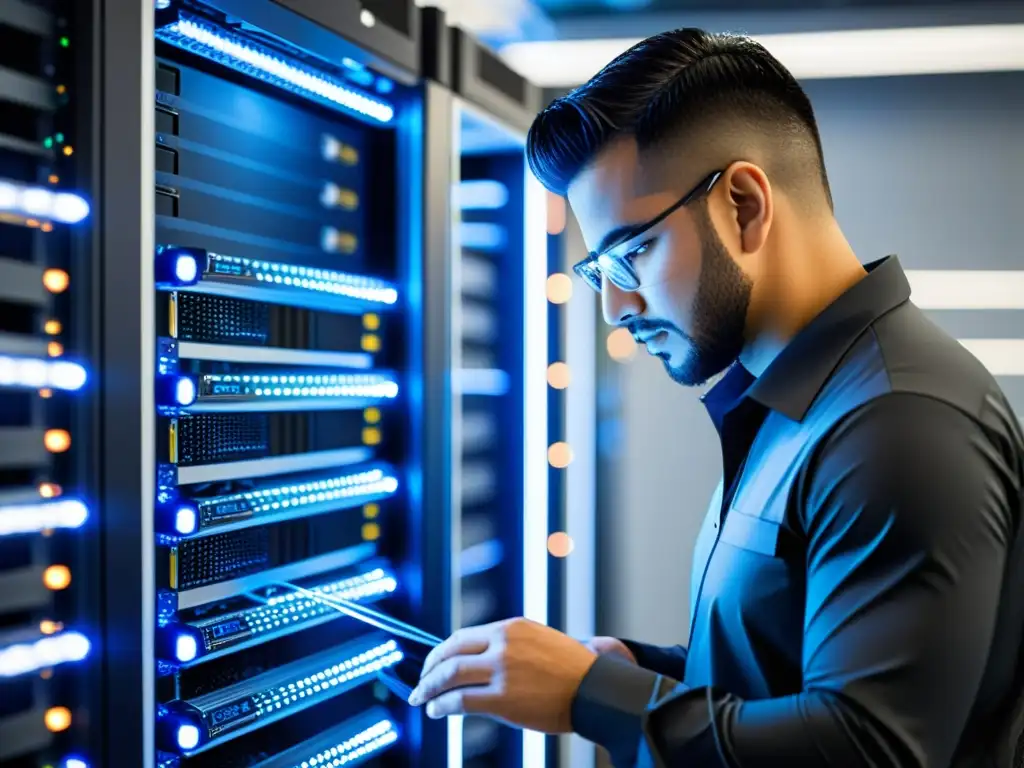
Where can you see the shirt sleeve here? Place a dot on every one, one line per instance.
(908, 508)
(664, 660)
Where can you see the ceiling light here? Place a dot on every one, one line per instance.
(808, 55)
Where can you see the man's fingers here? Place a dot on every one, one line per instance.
(463, 701)
(456, 672)
(464, 642)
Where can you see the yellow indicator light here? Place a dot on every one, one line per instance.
(69, 151)
(370, 511)
(62, 89)
(53, 178)
(173, 560)
(348, 155)
(46, 226)
(57, 719)
(54, 349)
(371, 436)
(46, 394)
(347, 242)
(172, 319)
(371, 531)
(57, 577)
(56, 280)
(52, 327)
(370, 342)
(48, 627)
(57, 440)
(371, 415)
(371, 321)
(348, 199)
(49, 490)
(172, 447)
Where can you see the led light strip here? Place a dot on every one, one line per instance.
(181, 268)
(280, 614)
(359, 746)
(23, 658)
(188, 517)
(38, 373)
(309, 278)
(365, 664)
(31, 202)
(215, 386)
(18, 519)
(197, 36)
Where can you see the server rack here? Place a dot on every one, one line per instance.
(502, 329)
(275, 413)
(47, 516)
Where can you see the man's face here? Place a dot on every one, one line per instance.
(691, 308)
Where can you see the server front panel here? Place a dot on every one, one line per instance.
(283, 416)
(47, 520)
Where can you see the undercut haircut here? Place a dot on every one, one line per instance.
(717, 94)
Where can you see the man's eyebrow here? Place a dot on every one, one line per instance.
(618, 235)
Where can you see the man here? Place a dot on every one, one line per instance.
(858, 590)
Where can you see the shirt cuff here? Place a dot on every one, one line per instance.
(611, 704)
(670, 661)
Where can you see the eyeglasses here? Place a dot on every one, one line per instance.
(618, 268)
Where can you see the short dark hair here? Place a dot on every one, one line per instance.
(664, 85)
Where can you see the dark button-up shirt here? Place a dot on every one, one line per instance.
(858, 583)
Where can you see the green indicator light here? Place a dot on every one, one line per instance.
(64, 42)
(60, 138)
(48, 142)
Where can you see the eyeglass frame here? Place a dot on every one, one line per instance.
(589, 268)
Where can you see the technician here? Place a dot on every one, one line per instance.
(858, 584)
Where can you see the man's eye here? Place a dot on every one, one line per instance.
(640, 250)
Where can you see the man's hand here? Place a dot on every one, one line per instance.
(611, 646)
(517, 671)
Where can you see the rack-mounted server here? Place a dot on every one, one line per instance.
(47, 515)
(276, 403)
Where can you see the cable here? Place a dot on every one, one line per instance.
(364, 614)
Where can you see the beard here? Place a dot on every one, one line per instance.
(719, 313)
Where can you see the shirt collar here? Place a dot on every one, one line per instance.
(795, 377)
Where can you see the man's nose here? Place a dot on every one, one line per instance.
(619, 306)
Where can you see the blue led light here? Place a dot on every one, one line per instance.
(246, 56)
(185, 520)
(50, 651)
(320, 682)
(185, 648)
(480, 195)
(30, 202)
(188, 736)
(37, 373)
(75, 762)
(384, 85)
(184, 391)
(18, 519)
(366, 742)
(366, 483)
(304, 278)
(179, 267)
